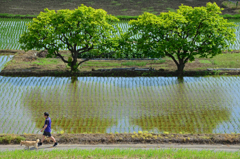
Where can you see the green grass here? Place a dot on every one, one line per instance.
(116, 3)
(118, 153)
(105, 64)
(171, 10)
(115, 64)
(205, 61)
(91, 3)
(45, 61)
(123, 10)
(134, 63)
(226, 60)
(10, 138)
(159, 61)
(16, 15)
(230, 5)
(149, 9)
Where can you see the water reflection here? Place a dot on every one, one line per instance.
(96, 104)
(72, 108)
(105, 105)
(74, 79)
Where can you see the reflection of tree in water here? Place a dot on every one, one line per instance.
(90, 106)
(183, 108)
(71, 107)
(74, 79)
(196, 122)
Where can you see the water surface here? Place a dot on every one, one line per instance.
(108, 104)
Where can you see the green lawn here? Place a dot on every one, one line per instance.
(205, 61)
(134, 63)
(118, 153)
(45, 61)
(225, 60)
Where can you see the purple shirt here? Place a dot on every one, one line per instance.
(48, 123)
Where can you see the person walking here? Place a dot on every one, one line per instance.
(47, 130)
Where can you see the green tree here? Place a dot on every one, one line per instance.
(183, 35)
(80, 30)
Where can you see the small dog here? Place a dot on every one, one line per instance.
(30, 143)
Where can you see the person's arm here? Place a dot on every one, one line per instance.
(45, 125)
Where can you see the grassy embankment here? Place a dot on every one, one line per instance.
(21, 62)
(118, 153)
(127, 138)
(7, 139)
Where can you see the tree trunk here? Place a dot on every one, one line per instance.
(180, 79)
(74, 63)
(180, 66)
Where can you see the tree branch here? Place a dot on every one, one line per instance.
(68, 44)
(198, 30)
(57, 54)
(85, 49)
(82, 49)
(171, 56)
(87, 59)
(185, 61)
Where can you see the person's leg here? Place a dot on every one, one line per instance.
(41, 142)
(53, 139)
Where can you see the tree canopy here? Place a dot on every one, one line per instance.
(79, 30)
(183, 35)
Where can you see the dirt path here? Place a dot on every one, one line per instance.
(217, 147)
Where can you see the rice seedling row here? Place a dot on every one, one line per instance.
(11, 29)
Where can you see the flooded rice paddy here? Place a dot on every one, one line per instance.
(109, 104)
(11, 29)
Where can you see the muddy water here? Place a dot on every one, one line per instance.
(98, 104)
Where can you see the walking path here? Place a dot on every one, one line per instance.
(229, 148)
